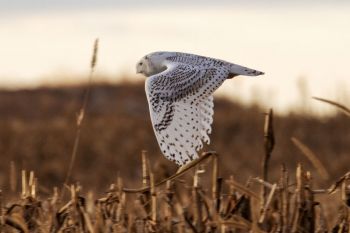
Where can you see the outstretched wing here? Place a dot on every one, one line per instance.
(181, 107)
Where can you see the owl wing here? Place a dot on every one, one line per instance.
(181, 108)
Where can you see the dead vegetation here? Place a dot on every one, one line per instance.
(38, 129)
(205, 201)
(225, 205)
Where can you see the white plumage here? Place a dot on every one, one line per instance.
(179, 92)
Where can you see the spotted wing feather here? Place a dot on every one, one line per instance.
(181, 108)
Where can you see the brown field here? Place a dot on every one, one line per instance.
(38, 129)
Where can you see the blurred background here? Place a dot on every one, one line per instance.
(302, 46)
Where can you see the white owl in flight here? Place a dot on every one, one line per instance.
(179, 91)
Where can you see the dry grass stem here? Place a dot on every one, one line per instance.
(312, 158)
(267, 204)
(343, 108)
(80, 116)
(179, 173)
(269, 142)
(13, 177)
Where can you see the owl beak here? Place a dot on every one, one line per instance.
(138, 70)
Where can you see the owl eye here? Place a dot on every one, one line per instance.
(140, 63)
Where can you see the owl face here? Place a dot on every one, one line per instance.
(151, 64)
(142, 66)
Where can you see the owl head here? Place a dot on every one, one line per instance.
(152, 63)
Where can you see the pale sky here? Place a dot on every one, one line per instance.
(50, 42)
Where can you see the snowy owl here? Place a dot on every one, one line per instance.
(179, 91)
